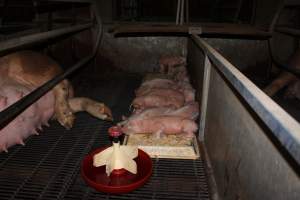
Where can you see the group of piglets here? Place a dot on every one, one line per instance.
(165, 102)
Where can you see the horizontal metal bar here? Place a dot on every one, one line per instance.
(284, 127)
(73, 1)
(13, 110)
(288, 31)
(292, 3)
(205, 29)
(38, 37)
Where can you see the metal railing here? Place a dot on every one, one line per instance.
(283, 126)
(13, 110)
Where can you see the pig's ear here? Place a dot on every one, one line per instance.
(3, 102)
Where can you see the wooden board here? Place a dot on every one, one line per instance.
(170, 146)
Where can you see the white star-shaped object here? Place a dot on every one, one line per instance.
(117, 157)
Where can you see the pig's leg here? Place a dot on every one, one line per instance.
(3, 102)
(284, 79)
(63, 112)
(94, 108)
(160, 130)
(158, 134)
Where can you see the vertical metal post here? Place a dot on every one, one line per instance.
(2, 15)
(238, 10)
(187, 11)
(276, 16)
(205, 89)
(178, 10)
(182, 12)
(253, 12)
(35, 5)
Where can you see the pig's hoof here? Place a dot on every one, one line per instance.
(104, 112)
(66, 120)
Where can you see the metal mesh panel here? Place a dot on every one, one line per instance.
(48, 166)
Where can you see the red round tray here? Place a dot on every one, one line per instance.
(120, 181)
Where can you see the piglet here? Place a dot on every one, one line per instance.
(161, 125)
(159, 97)
(166, 63)
(156, 84)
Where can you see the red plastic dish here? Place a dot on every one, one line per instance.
(120, 181)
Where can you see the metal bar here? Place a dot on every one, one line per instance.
(5, 5)
(35, 6)
(292, 2)
(253, 12)
(12, 111)
(205, 89)
(214, 194)
(288, 31)
(277, 15)
(30, 39)
(73, 1)
(187, 11)
(283, 126)
(208, 29)
(182, 12)
(178, 10)
(238, 10)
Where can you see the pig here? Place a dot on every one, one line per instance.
(159, 97)
(187, 90)
(189, 111)
(179, 73)
(170, 114)
(158, 83)
(155, 84)
(20, 74)
(287, 79)
(148, 112)
(166, 63)
(151, 76)
(161, 125)
(181, 86)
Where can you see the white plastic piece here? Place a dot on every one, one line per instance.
(117, 157)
